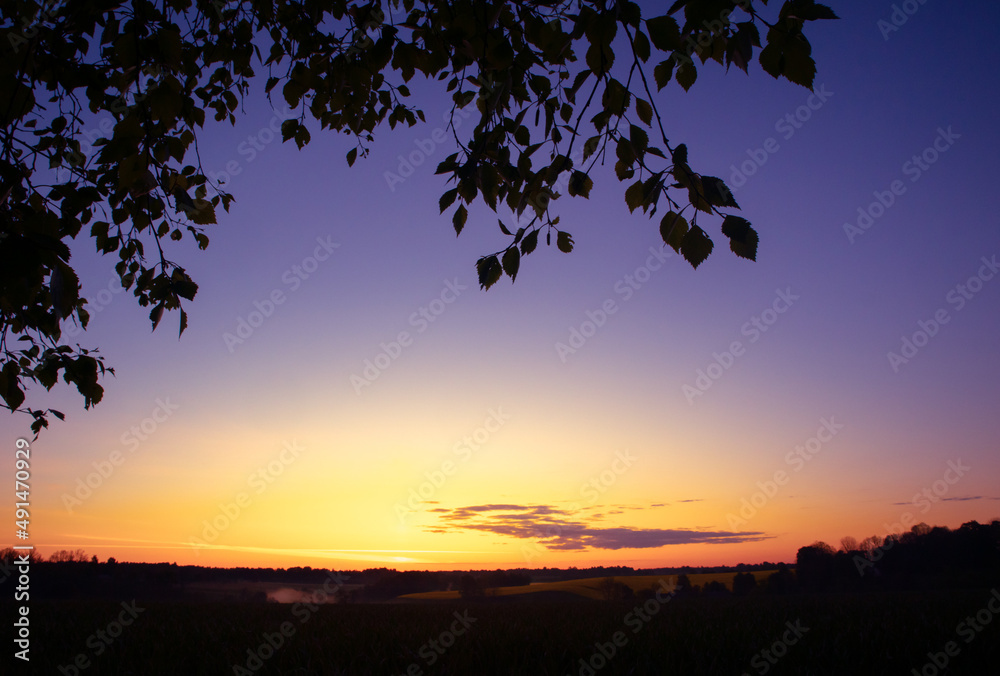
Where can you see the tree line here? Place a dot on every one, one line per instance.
(922, 558)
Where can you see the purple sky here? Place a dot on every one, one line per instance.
(815, 319)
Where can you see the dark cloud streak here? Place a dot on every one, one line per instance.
(561, 530)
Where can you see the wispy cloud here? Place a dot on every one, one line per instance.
(954, 499)
(562, 530)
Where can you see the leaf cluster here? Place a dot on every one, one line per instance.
(554, 87)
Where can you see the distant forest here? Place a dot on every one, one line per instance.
(924, 558)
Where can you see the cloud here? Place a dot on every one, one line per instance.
(955, 499)
(561, 530)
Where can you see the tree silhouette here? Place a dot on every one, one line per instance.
(611, 589)
(715, 588)
(65, 555)
(780, 582)
(556, 88)
(923, 557)
(744, 583)
(470, 588)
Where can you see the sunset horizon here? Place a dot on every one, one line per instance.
(485, 291)
(404, 560)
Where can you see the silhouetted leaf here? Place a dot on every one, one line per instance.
(770, 60)
(489, 271)
(580, 184)
(511, 261)
(13, 395)
(746, 249)
(742, 237)
(687, 74)
(696, 195)
(639, 139)
(447, 199)
(600, 58)
(641, 45)
(673, 228)
(664, 32)
(564, 241)
(155, 315)
(529, 242)
(633, 196)
(182, 284)
(458, 220)
(807, 10)
(718, 193)
(644, 110)
(625, 151)
(799, 67)
(696, 246)
(735, 227)
(663, 72)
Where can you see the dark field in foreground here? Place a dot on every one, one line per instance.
(859, 634)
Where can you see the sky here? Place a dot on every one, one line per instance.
(347, 397)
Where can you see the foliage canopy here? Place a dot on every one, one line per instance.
(557, 87)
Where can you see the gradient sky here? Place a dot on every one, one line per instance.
(483, 444)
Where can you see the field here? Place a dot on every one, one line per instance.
(591, 587)
(802, 635)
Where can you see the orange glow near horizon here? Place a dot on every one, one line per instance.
(666, 434)
(482, 487)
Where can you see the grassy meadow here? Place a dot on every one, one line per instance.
(888, 633)
(593, 587)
